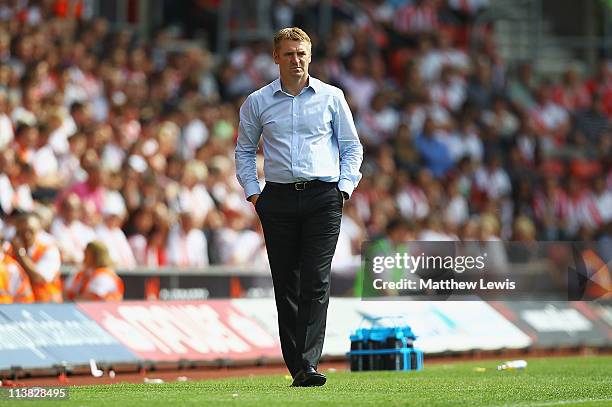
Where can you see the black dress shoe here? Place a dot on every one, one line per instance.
(309, 377)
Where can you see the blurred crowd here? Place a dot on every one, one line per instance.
(113, 139)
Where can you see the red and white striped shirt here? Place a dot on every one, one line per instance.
(554, 206)
(412, 202)
(583, 212)
(414, 18)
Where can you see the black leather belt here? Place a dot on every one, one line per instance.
(302, 185)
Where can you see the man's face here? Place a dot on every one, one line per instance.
(27, 229)
(292, 58)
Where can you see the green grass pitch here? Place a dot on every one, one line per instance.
(568, 381)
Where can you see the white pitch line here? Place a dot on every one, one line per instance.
(558, 402)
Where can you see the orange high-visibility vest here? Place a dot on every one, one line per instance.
(44, 291)
(5, 295)
(24, 292)
(80, 285)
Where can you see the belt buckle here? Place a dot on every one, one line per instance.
(300, 186)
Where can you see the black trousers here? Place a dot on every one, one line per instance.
(301, 230)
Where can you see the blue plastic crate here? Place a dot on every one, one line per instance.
(387, 344)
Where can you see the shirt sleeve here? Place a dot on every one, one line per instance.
(249, 133)
(351, 151)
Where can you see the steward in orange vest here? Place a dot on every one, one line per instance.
(97, 281)
(38, 255)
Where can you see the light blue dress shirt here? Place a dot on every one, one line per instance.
(305, 137)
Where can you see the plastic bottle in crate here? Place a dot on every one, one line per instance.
(358, 343)
(413, 361)
(394, 360)
(372, 359)
(357, 361)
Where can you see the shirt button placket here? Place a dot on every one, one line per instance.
(294, 138)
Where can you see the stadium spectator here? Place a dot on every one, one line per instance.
(45, 165)
(492, 180)
(521, 88)
(71, 234)
(193, 196)
(572, 93)
(187, 246)
(15, 193)
(523, 230)
(147, 232)
(138, 228)
(594, 121)
(358, 83)
(434, 229)
(416, 17)
(551, 208)
(239, 244)
(500, 118)
(96, 281)
(481, 90)
(583, 213)
(433, 152)
(378, 122)
(410, 198)
(551, 120)
(91, 191)
(457, 208)
(110, 233)
(492, 244)
(443, 54)
(450, 91)
(601, 84)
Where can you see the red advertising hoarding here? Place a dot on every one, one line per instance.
(193, 330)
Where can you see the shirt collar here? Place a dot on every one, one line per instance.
(313, 83)
(276, 86)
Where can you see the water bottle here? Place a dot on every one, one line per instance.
(513, 365)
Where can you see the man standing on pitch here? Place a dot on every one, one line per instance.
(312, 156)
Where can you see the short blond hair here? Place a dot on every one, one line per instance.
(100, 255)
(292, 34)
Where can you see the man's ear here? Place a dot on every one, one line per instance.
(275, 57)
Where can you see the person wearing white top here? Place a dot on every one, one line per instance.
(71, 234)
(193, 195)
(457, 210)
(187, 246)
(110, 233)
(493, 179)
(238, 244)
(14, 197)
